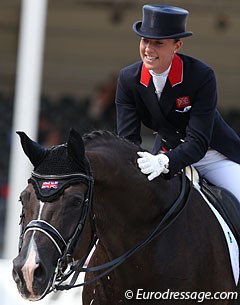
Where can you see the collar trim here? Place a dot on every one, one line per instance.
(175, 75)
(145, 76)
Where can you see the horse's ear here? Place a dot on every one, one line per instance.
(34, 151)
(76, 146)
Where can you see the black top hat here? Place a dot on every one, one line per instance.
(162, 21)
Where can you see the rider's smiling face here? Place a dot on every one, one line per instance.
(157, 54)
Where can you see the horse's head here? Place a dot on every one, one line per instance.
(55, 206)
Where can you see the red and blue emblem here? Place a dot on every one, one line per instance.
(182, 102)
(49, 185)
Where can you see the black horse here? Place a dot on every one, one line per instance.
(158, 241)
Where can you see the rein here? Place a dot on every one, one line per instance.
(167, 220)
(65, 248)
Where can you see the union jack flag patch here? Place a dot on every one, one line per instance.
(183, 102)
(49, 185)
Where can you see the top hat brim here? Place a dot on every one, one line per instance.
(137, 30)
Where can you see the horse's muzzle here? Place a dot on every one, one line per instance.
(32, 278)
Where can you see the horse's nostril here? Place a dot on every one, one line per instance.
(16, 272)
(40, 272)
(15, 276)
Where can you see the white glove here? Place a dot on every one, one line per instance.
(153, 165)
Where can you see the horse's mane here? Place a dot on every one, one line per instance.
(101, 137)
(102, 134)
(98, 133)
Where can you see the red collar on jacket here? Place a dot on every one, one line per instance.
(175, 75)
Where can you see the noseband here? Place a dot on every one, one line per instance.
(49, 231)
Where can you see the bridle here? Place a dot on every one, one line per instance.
(65, 248)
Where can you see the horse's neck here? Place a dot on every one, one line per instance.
(127, 206)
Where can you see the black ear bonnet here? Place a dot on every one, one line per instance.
(58, 167)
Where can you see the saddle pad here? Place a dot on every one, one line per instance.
(233, 248)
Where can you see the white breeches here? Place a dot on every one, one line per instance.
(220, 171)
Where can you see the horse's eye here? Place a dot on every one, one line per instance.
(77, 201)
(73, 200)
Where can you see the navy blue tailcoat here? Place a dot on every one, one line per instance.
(185, 117)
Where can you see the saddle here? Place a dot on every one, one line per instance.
(223, 201)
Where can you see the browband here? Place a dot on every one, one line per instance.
(50, 187)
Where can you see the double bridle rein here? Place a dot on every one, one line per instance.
(66, 266)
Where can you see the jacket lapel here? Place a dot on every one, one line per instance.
(150, 100)
(160, 109)
(166, 99)
(175, 77)
(147, 93)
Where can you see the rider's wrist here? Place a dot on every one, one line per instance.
(163, 160)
